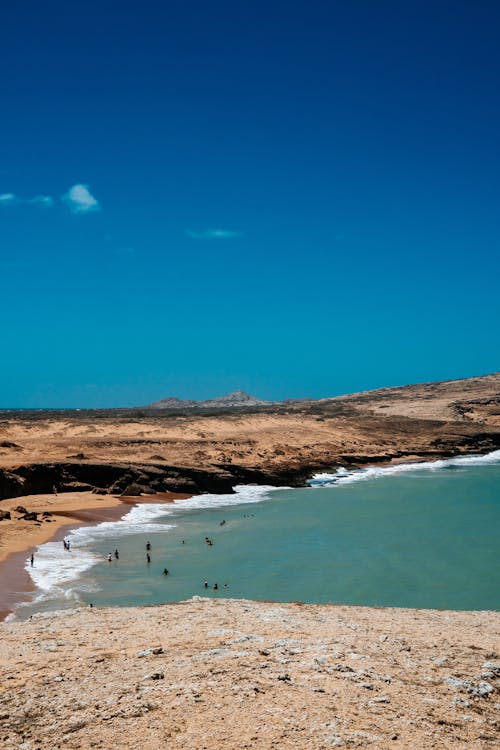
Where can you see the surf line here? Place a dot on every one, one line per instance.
(56, 572)
(343, 476)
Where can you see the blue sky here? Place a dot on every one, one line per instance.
(296, 199)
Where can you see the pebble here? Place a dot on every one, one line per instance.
(492, 666)
(480, 688)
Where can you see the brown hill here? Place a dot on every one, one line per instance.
(278, 444)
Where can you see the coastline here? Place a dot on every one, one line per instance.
(71, 510)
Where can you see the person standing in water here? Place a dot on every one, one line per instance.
(148, 546)
(32, 559)
(148, 557)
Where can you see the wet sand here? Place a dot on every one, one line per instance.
(19, 539)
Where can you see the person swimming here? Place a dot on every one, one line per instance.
(165, 572)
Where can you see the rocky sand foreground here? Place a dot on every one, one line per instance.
(240, 674)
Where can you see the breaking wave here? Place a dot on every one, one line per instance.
(343, 476)
(58, 574)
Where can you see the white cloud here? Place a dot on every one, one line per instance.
(10, 199)
(7, 198)
(212, 234)
(80, 200)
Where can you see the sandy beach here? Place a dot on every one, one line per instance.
(20, 538)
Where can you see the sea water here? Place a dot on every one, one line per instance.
(414, 535)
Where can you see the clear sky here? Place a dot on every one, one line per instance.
(293, 198)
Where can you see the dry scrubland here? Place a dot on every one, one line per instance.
(427, 420)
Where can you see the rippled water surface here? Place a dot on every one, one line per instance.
(415, 537)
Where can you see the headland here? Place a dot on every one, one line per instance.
(234, 673)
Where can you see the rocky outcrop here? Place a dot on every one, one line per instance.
(130, 479)
(11, 485)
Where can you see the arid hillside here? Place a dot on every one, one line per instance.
(281, 443)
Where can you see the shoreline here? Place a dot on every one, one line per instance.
(17, 585)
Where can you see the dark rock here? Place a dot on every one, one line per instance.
(134, 490)
(31, 516)
(9, 444)
(4, 515)
(20, 509)
(10, 484)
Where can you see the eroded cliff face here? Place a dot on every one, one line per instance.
(129, 480)
(119, 451)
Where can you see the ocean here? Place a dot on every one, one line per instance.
(414, 535)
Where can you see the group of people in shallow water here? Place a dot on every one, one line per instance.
(215, 585)
(116, 555)
(166, 572)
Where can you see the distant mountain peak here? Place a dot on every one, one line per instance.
(237, 395)
(230, 400)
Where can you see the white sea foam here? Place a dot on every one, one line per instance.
(348, 476)
(57, 573)
(243, 494)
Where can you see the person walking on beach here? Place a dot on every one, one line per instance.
(32, 559)
(54, 490)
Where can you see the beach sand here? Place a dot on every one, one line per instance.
(210, 674)
(19, 538)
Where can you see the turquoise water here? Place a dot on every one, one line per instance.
(416, 539)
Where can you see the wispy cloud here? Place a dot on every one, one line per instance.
(6, 199)
(10, 199)
(42, 200)
(212, 234)
(80, 200)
